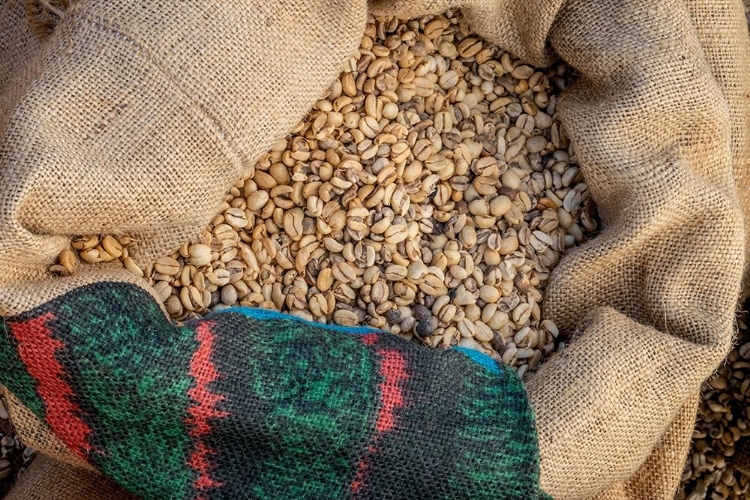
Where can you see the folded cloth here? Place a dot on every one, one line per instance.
(249, 403)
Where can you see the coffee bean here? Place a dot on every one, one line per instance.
(393, 316)
(420, 312)
(426, 326)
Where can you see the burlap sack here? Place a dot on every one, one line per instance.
(49, 479)
(131, 108)
(16, 39)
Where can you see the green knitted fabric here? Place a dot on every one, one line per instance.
(248, 403)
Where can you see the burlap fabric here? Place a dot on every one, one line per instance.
(131, 108)
(49, 479)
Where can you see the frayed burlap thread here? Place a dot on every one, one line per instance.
(43, 15)
(120, 121)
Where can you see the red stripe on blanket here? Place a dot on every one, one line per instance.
(36, 349)
(204, 372)
(393, 370)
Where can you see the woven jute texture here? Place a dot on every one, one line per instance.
(130, 108)
(17, 40)
(49, 479)
(37, 435)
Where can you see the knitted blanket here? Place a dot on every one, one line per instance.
(249, 403)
